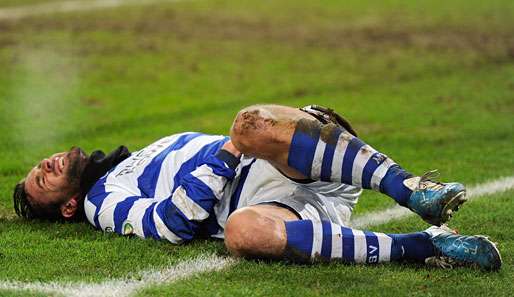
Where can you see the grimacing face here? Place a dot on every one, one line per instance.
(56, 179)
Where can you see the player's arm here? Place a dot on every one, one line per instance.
(177, 218)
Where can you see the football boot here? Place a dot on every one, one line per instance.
(453, 250)
(433, 201)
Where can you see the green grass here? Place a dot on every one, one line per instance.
(430, 83)
(16, 3)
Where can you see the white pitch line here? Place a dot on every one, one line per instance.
(125, 287)
(398, 212)
(19, 12)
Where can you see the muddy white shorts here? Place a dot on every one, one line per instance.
(258, 182)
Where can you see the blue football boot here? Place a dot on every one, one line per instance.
(434, 202)
(459, 250)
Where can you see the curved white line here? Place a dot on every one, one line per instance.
(19, 12)
(128, 286)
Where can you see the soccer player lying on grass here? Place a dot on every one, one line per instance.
(282, 186)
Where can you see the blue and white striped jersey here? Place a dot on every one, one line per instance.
(167, 190)
(181, 186)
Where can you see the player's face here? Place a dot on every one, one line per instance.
(56, 178)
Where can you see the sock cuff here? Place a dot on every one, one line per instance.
(299, 240)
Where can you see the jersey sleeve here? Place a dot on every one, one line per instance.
(176, 218)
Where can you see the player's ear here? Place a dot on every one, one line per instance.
(69, 208)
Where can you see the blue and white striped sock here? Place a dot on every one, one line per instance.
(329, 153)
(311, 240)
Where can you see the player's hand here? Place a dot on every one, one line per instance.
(229, 147)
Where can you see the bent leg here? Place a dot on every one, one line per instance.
(265, 132)
(267, 231)
(302, 147)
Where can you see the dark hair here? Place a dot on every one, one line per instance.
(43, 211)
(21, 204)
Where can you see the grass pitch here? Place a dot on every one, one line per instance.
(430, 83)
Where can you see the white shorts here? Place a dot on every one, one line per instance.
(258, 182)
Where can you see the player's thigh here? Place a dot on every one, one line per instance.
(258, 231)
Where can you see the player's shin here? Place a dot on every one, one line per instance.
(329, 153)
(311, 240)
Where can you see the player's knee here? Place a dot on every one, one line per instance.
(238, 231)
(247, 233)
(249, 129)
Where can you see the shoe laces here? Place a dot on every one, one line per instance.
(445, 262)
(429, 180)
(441, 262)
